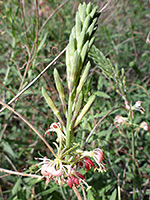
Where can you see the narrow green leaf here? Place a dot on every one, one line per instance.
(49, 191)
(114, 195)
(102, 94)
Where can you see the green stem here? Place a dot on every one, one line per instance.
(133, 158)
(62, 192)
(83, 138)
(69, 117)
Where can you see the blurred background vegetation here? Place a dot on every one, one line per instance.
(123, 28)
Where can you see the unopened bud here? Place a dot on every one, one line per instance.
(83, 77)
(51, 104)
(84, 110)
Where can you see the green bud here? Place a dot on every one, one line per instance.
(83, 77)
(123, 79)
(84, 110)
(82, 11)
(84, 51)
(117, 74)
(51, 104)
(81, 40)
(91, 42)
(59, 86)
(68, 62)
(78, 105)
(91, 27)
(73, 32)
(78, 26)
(123, 72)
(72, 45)
(93, 11)
(86, 22)
(74, 65)
(88, 8)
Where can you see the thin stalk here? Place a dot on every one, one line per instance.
(119, 191)
(20, 173)
(62, 192)
(83, 138)
(77, 192)
(133, 158)
(69, 117)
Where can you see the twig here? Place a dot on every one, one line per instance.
(25, 102)
(119, 191)
(20, 173)
(104, 7)
(30, 125)
(99, 123)
(52, 15)
(32, 82)
(10, 162)
(77, 193)
(83, 191)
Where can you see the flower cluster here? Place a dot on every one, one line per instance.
(64, 171)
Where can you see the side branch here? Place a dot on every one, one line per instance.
(20, 173)
(99, 123)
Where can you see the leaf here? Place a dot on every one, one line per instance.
(42, 42)
(104, 63)
(114, 195)
(52, 189)
(90, 195)
(16, 187)
(7, 148)
(102, 94)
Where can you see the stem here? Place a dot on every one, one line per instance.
(77, 193)
(133, 158)
(91, 133)
(69, 116)
(62, 192)
(83, 138)
(119, 191)
(20, 173)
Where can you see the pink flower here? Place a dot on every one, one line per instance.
(56, 127)
(145, 126)
(119, 119)
(98, 155)
(138, 107)
(127, 105)
(41, 3)
(44, 171)
(53, 171)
